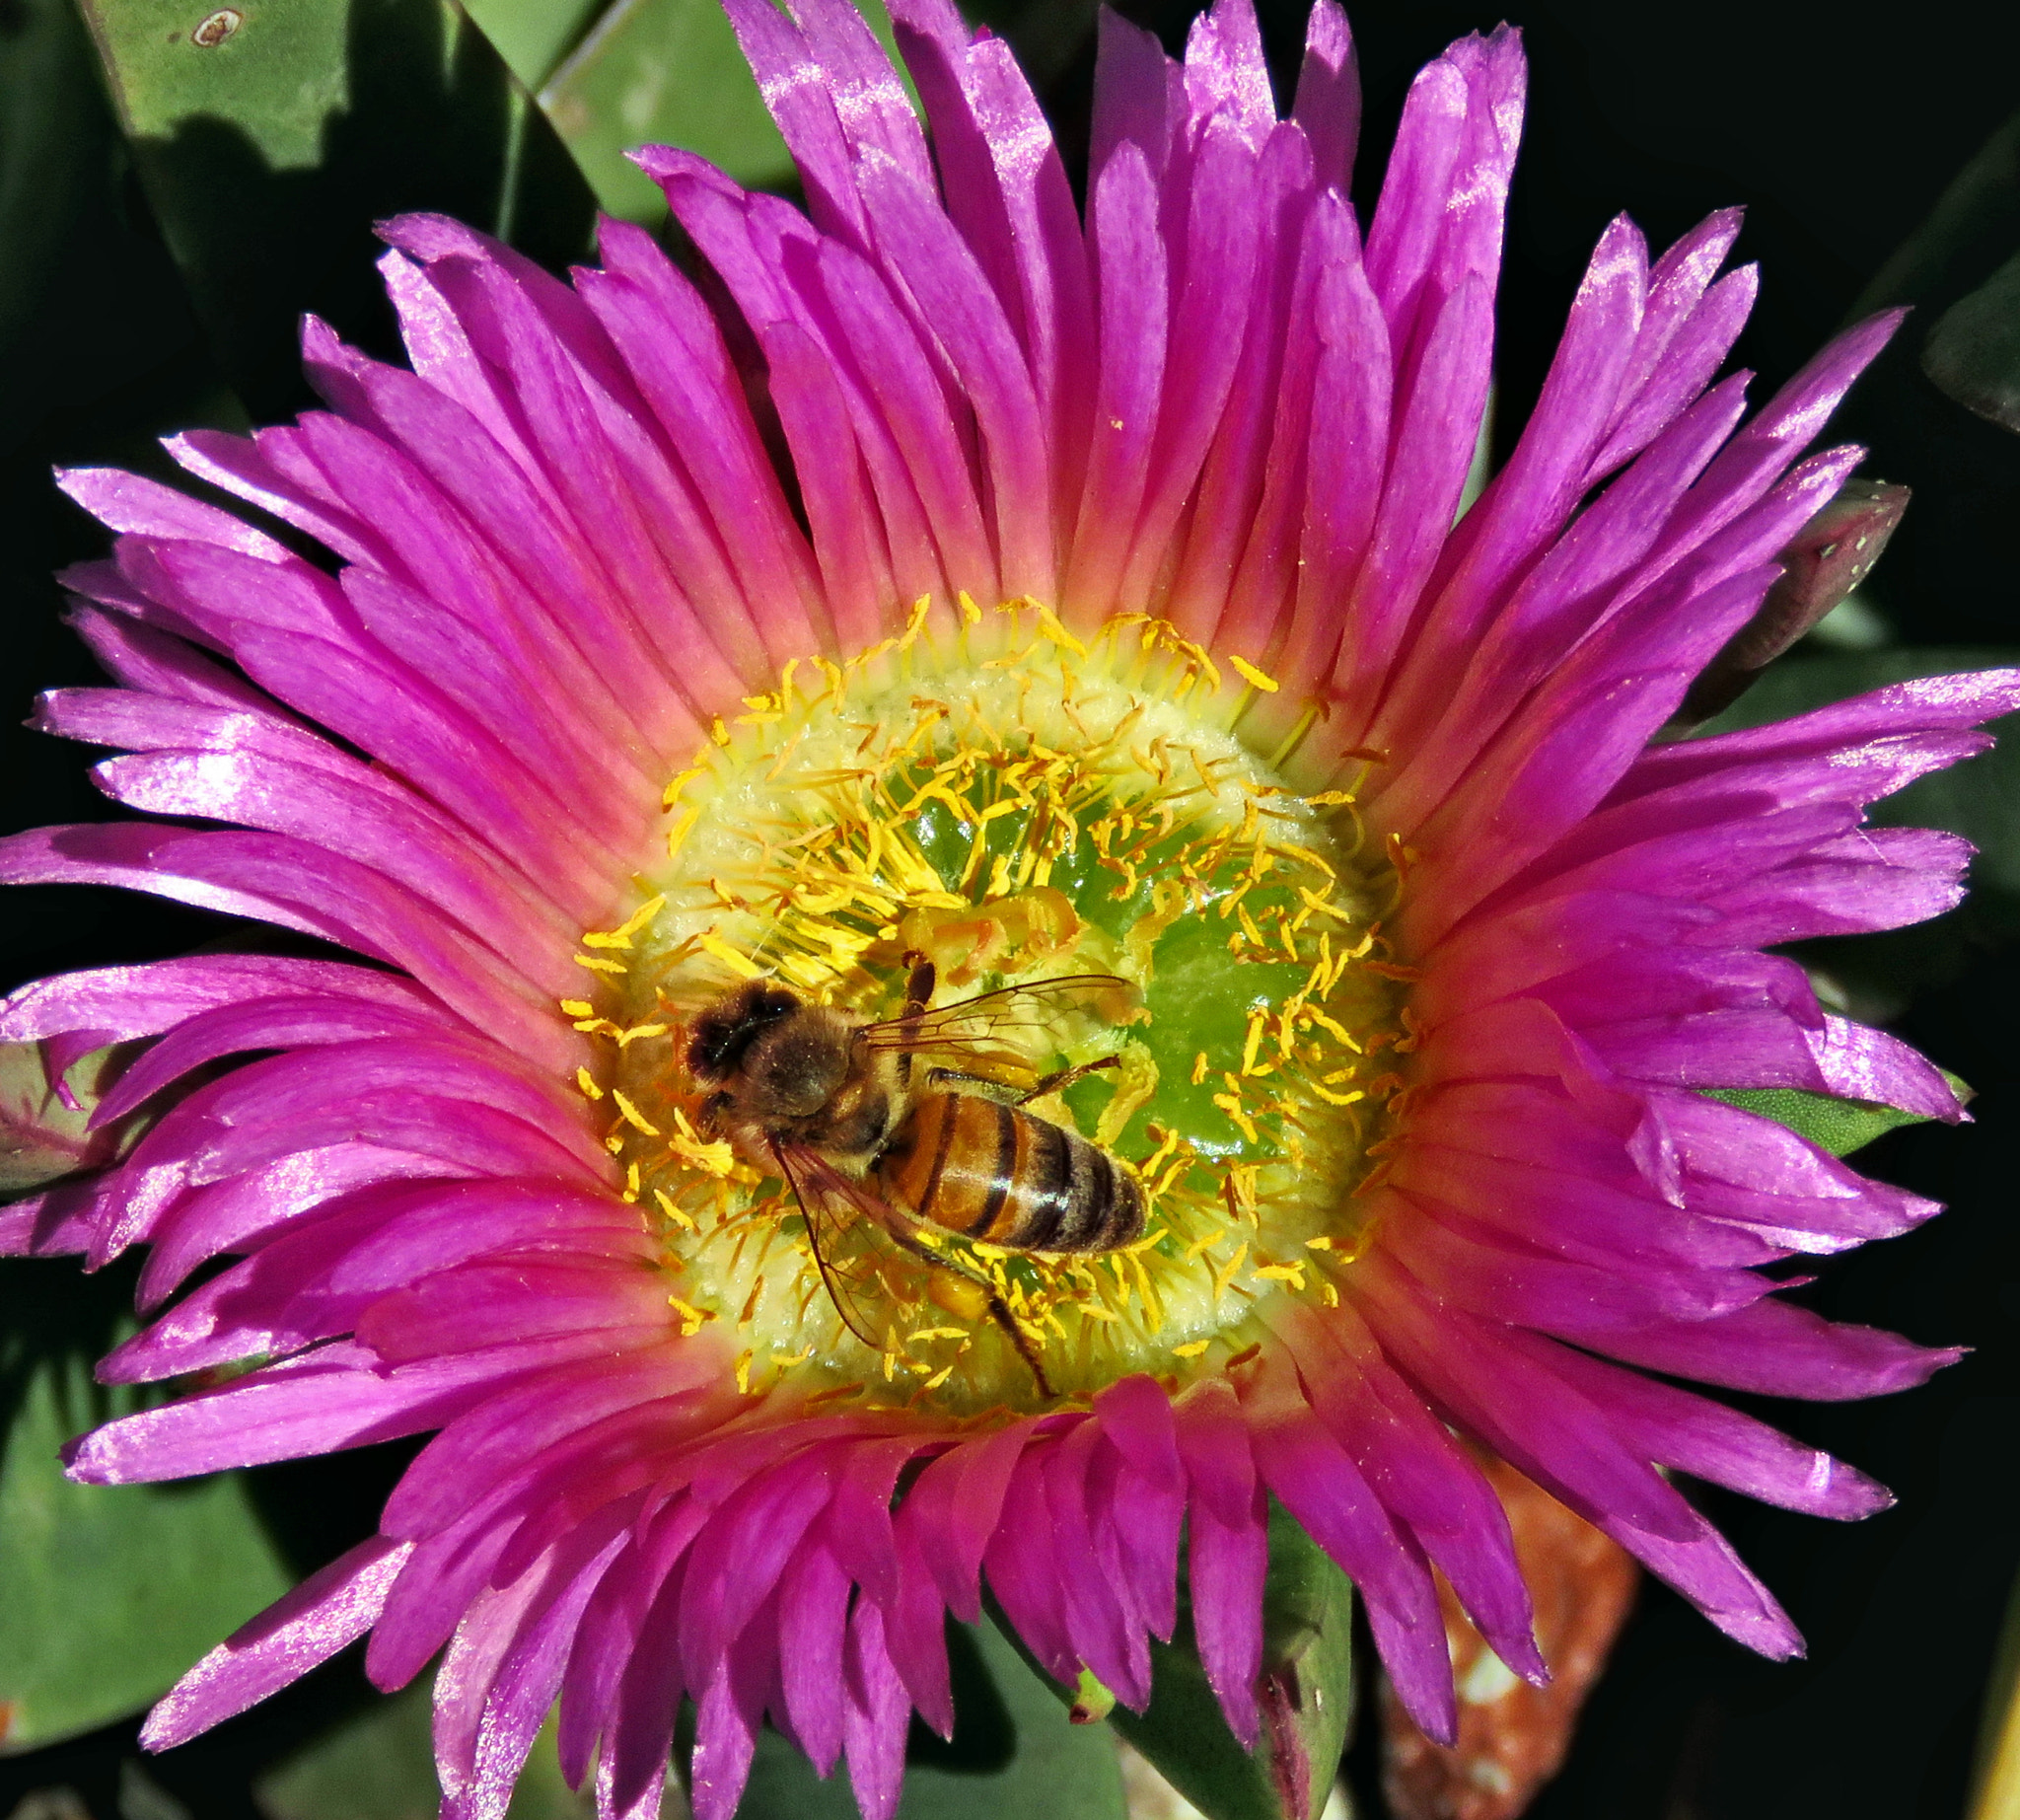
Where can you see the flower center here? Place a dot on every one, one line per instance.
(826, 1158)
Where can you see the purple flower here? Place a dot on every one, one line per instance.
(946, 577)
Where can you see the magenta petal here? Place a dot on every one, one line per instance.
(813, 1612)
(332, 1607)
(324, 1401)
(1323, 1489)
(1427, 1480)
(1329, 96)
(1229, 1551)
(725, 1739)
(1695, 1435)
(874, 1717)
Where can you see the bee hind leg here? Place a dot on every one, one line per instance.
(999, 1309)
(999, 1312)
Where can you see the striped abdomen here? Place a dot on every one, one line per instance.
(991, 1171)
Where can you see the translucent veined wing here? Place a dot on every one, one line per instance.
(983, 1028)
(827, 1198)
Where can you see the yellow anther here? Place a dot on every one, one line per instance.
(715, 1159)
(1258, 1021)
(692, 1319)
(1323, 906)
(577, 1007)
(620, 936)
(633, 1115)
(1192, 1348)
(679, 1215)
(744, 1359)
(586, 1081)
(734, 959)
(1231, 1104)
(598, 965)
(1255, 677)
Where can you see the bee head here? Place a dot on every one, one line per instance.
(799, 1066)
(725, 1032)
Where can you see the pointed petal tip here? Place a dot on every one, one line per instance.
(1441, 1727)
(156, 1732)
(1244, 1717)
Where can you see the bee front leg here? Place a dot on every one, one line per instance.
(919, 984)
(1065, 1077)
(918, 994)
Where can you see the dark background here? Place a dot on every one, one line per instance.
(1838, 128)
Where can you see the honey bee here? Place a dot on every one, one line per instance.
(899, 1123)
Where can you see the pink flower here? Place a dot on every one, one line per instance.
(945, 576)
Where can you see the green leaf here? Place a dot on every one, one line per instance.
(668, 72)
(380, 1765)
(53, 147)
(1974, 226)
(1973, 351)
(108, 1593)
(1839, 1126)
(271, 134)
(1012, 1755)
(533, 36)
(1306, 1687)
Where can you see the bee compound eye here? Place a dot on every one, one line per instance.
(712, 1049)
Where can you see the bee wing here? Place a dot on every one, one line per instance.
(980, 1027)
(825, 1196)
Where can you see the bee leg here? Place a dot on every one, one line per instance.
(1065, 1077)
(918, 994)
(999, 1309)
(980, 1085)
(919, 985)
(999, 1312)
